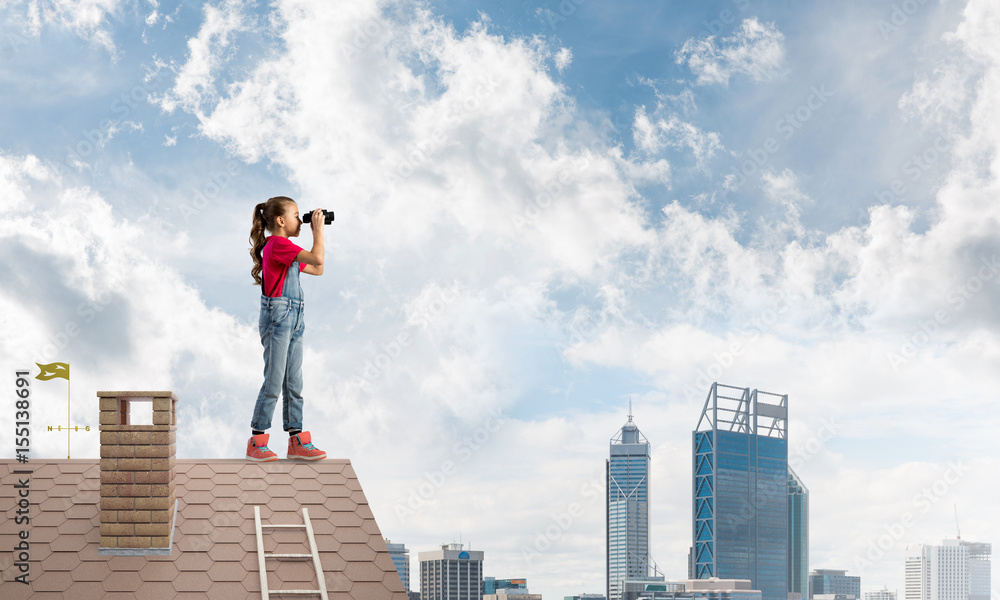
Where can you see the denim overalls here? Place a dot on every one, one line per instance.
(281, 326)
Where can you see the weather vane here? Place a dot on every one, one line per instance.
(51, 371)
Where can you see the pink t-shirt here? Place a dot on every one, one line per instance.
(279, 253)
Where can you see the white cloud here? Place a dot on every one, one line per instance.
(563, 58)
(756, 49)
(448, 112)
(85, 18)
(941, 96)
(206, 53)
(652, 136)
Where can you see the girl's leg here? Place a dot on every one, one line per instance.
(275, 335)
(292, 386)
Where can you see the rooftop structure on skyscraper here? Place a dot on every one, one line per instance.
(740, 492)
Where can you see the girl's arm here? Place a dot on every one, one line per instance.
(314, 258)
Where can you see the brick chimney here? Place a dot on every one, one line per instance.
(138, 465)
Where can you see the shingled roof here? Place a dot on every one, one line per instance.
(214, 551)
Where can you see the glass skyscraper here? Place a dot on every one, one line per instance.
(740, 493)
(627, 473)
(401, 558)
(798, 536)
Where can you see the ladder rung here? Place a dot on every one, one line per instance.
(310, 538)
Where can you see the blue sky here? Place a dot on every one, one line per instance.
(543, 210)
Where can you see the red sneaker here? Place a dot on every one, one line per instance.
(257, 449)
(300, 446)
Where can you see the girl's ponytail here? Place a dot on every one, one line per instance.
(264, 217)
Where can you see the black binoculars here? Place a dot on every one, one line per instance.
(327, 215)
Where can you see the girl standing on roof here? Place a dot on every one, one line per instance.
(281, 322)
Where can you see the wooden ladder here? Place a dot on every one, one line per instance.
(314, 555)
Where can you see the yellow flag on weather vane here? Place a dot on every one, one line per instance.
(53, 370)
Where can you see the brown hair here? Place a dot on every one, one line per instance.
(265, 216)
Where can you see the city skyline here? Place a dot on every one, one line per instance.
(543, 209)
(741, 415)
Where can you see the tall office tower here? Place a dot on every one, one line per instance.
(451, 573)
(955, 570)
(627, 474)
(401, 558)
(823, 582)
(798, 536)
(740, 503)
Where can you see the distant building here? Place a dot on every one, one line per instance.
(955, 570)
(980, 582)
(492, 585)
(740, 503)
(823, 582)
(512, 594)
(835, 597)
(627, 475)
(883, 594)
(401, 558)
(586, 597)
(692, 589)
(451, 573)
(798, 536)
